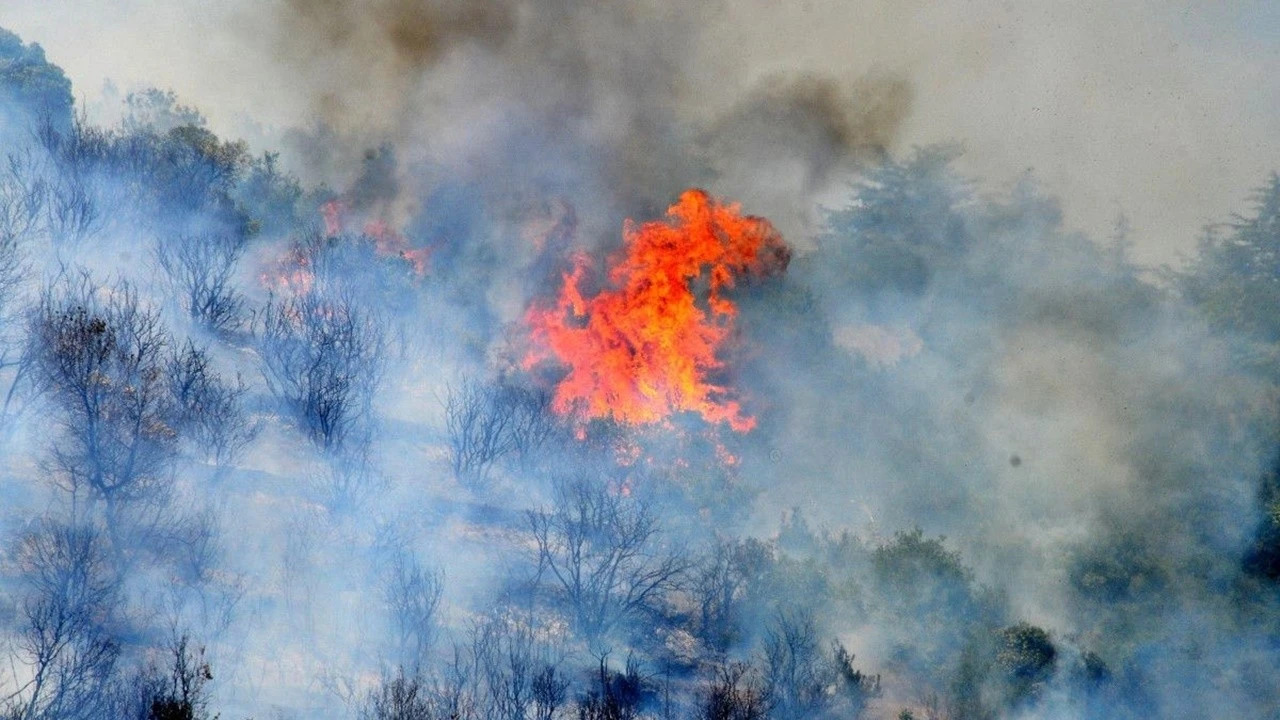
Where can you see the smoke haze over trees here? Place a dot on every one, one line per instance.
(273, 442)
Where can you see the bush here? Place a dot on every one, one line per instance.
(101, 355)
(323, 358)
(199, 270)
(1026, 658)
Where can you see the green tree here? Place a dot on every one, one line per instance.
(31, 87)
(1026, 657)
(158, 111)
(269, 196)
(1235, 278)
(904, 224)
(930, 597)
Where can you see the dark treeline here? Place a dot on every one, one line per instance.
(256, 463)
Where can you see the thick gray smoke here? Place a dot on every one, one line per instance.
(275, 406)
(1117, 107)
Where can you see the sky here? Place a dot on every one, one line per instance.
(1084, 415)
(1166, 112)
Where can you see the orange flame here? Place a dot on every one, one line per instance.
(390, 243)
(387, 241)
(645, 347)
(293, 272)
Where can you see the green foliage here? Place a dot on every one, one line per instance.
(1262, 559)
(1234, 281)
(912, 568)
(1025, 657)
(377, 182)
(904, 224)
(795, 537)
(1121, 569)
(182, 176)
(32, 87)
(195, 169)
(965, 695)
(158, 111)
(1093, 671)
(930, 598)
(269, 197)
(853, 689)
(1235, 277)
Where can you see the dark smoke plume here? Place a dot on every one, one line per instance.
(271, 441)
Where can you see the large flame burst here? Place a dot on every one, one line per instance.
(648, 344)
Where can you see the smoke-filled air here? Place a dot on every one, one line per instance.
(656, 360)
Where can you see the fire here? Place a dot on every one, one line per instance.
(387, 241)
(648, 344)
(293, 272)
(290, 274)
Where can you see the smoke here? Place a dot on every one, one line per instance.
(615, 105)
(806, 131)
(1119, 109)
(363, 64)
(941, 353)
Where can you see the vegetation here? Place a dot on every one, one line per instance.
(195, 346)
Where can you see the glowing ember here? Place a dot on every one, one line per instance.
(289, 274)
(390, 243)
(294, 271)
(647, 345)
(387, 241)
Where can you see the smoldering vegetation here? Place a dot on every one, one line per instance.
(270, 448)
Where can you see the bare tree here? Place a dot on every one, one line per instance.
(796, 677)
(505, 659)
(801, 681)
(210, 410)
(457, 689)
(616, 695)
(502, 669)
(487, 422)
(22, 198)
(64, 652)
(401, 697)
(72, 214)
(412, 594)
(348, 479)
(550, 691)
(719, 583)
(323, 358)
(200, 272)
(178, 691)
(533, 426)
(479, 431)
(735, 694)
(520, 673)
(602, 553)
(100, 354)
(194, 548)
